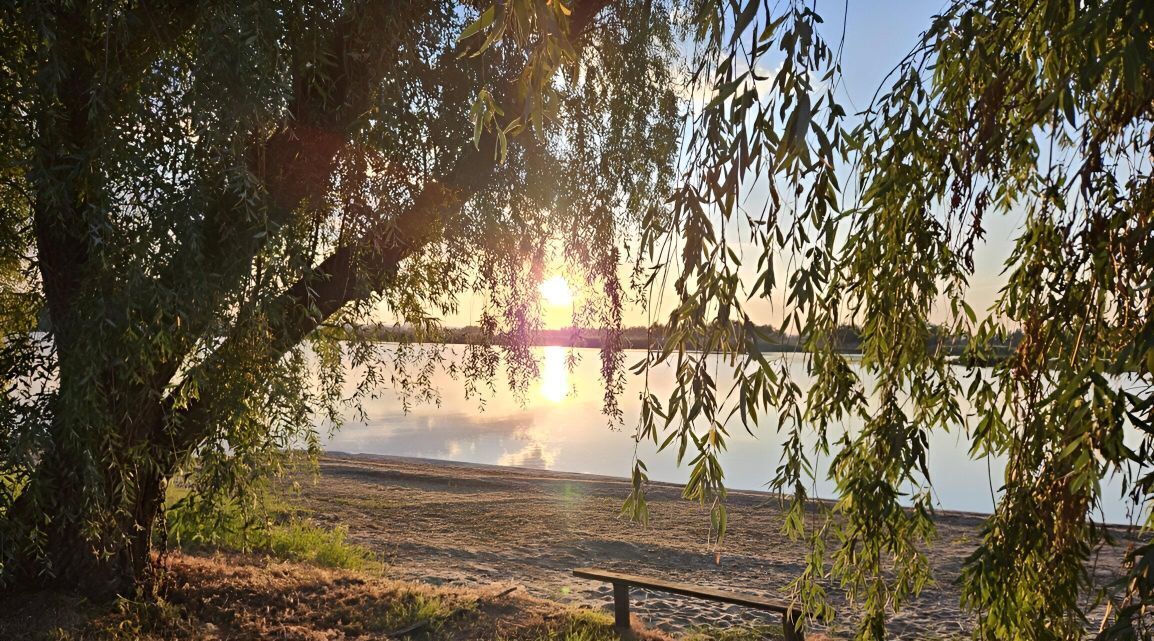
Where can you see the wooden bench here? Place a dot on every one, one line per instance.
(622, 582)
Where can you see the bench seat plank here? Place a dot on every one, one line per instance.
(685, 589)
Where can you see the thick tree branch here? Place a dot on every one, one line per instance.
(295, 165)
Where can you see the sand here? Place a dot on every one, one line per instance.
(478, 526)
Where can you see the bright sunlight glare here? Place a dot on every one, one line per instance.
(555, 290)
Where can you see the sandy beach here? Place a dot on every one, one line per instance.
(480, 526)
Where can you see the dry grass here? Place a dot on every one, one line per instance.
(242, 597)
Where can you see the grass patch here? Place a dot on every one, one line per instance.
(575, 624)
(410, 608)
(266, 526)
(736, 633)
(330, 548)
(582, 625)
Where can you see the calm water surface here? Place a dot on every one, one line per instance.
(559, 426)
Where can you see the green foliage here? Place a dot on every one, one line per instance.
(1038, 110)
(198, 197)
(199, 194)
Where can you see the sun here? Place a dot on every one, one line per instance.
(555, 290)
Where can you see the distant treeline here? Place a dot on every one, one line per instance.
(847, 339)
(631, 337)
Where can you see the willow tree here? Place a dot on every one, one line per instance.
(200, 194)
(1036, 109)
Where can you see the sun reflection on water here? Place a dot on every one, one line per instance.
(554, 375)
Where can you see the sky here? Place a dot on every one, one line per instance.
(878, 34)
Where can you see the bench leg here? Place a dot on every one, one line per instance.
(621, 605)
(789, 627)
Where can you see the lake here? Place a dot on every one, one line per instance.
(559, 426)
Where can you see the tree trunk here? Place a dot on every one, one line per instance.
(65, 540)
